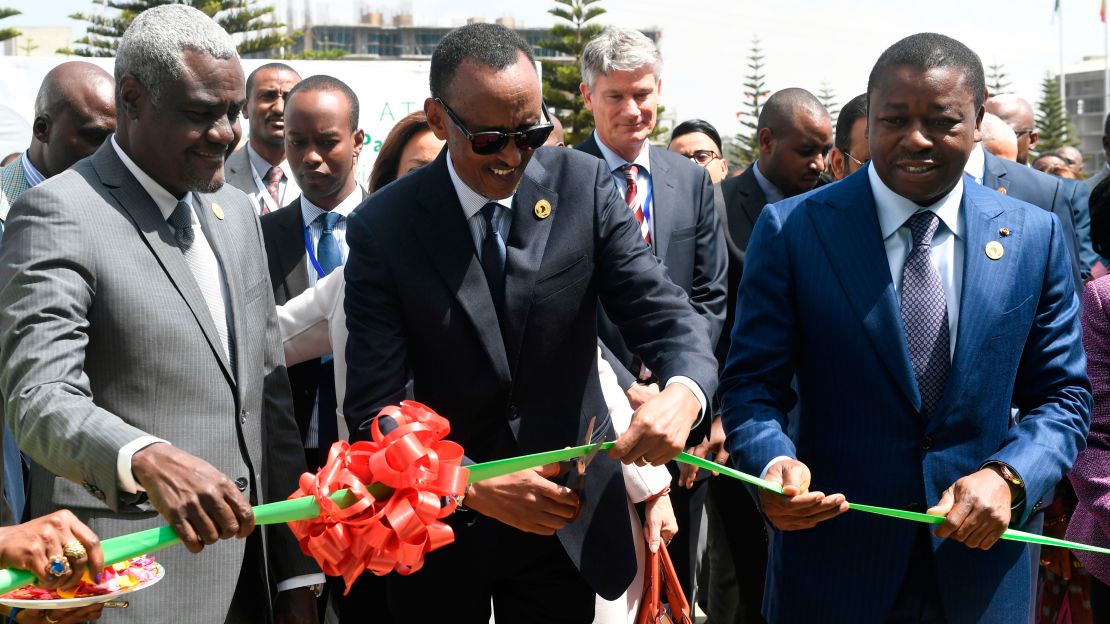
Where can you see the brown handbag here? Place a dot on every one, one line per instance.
(663, 601)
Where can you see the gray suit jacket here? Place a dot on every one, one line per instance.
(238, 172)
(106, 337)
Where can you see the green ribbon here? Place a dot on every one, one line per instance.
(125, 547)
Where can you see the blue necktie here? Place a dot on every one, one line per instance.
(330, 258)
(925, 313)
(493, 260)
(327, 248)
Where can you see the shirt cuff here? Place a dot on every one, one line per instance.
(124, 475)
(763, 473)
(696, 389)
(303, 580)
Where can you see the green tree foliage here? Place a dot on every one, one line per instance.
(249, 21)
(8, 33)
(997, 80)
(828, 98)
(746, 144)
(562, 77)
(1053, 127)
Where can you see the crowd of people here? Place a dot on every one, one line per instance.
(907, 309)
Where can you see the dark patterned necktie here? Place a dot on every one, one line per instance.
(493, 260)
(925, 313)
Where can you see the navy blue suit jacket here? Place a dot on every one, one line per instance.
(417, 303)
(1066, 199)
(817, 299)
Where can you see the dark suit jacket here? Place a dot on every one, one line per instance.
(744, 200)
(417, 300)
(688, 240)
(283, 234)
(1053, 194)
(818, 300)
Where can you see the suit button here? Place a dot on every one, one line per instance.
(926, 443)
(1038, 506)
(243, 417)
(512, 413)
(241, 483)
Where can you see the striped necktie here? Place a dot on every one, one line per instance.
(630, 197)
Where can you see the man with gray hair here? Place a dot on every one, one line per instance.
(672, 200)
(998, 137)
(136, 368)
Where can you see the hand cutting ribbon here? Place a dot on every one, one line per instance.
(378, 505)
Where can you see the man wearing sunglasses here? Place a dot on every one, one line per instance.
(478, 277)
(850, 150)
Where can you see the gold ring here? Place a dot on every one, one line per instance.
(1046, 562)
(51, 620)
(644, 460)
(58, 566)
(74, 550)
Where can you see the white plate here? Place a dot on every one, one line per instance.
(73, 603)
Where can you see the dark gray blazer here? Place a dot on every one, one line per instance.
(106, 337)
(689, 241)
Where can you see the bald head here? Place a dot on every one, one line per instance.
(795, 136)
(1018, 114)
(75, 111)
(998, 137)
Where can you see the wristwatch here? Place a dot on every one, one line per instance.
(461, 497)
(1017, 486)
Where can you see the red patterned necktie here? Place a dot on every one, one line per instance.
(630, 172)
(273, 186)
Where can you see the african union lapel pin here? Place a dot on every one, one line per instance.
(543, 209)
(994, 250)
(1003, 231)
(218, 211)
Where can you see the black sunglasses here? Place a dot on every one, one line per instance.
(492, 141)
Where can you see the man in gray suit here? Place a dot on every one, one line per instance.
(131, 287)
(260, 169)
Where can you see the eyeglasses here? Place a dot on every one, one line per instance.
(703, 157)
(1021, 133)
(492, 141)
(859, 163)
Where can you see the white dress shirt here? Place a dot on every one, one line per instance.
(947, 251)
(770, 191)
(976, 163)
(287, 188)
(166, 204)
(472, 203)
(644, 195)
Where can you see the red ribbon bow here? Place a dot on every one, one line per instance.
(392, 533)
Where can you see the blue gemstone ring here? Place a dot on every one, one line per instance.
(58, 566)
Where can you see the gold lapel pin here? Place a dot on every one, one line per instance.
(543, 209)
(218, 211)
(994, 250)
(1002, 189)
(1004, 231)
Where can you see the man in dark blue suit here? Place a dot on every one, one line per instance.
(916, 308)
(479, 277)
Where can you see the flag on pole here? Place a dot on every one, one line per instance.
(1055, 10)
(1101, 11)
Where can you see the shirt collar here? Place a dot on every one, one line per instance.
(165, 200)
(310, 211)
(976, 163)
(262, 167)
(614, 162)
(770, 191)
(471, 200)
(894, 209)
(33, 176)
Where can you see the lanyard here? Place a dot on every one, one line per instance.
(311, 253)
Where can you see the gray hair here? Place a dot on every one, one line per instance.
(619, 49)
(151, 48)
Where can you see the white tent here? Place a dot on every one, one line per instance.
(15, 132)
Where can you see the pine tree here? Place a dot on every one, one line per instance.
(746, 149)
(561, 78)
(1053, 127)
(997, 80)
(8, 33)
(247, 18)
(827, 95)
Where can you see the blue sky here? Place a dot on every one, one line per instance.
(806, 42)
